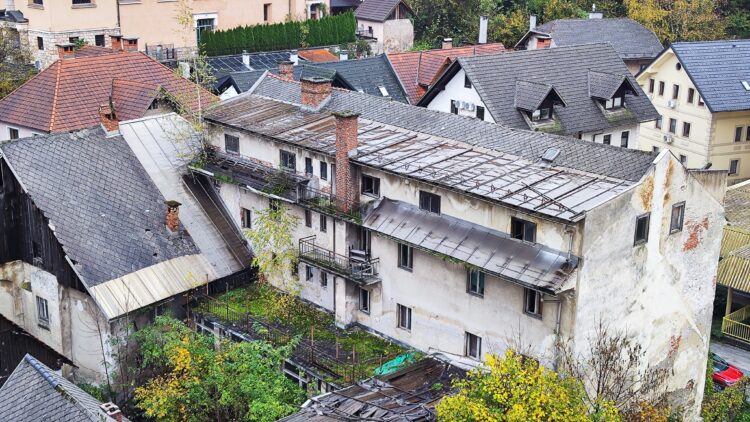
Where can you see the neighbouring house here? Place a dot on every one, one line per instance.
(70, 93)
(387, 23)
(584, 91)
(343, 6)
(418, 70)
(16, 343)
(34, 392)
(636, 45)
(702, 93)
(99, 231)
(456, 236)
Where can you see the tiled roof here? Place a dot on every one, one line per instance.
(34, 392)
(567, 70)
(376, 10)
(66, 96)
(106, 212)
(320, 55)
(737, 205)
(132, 98)
(418, 69)
(718, 68)
(734, 267)
(630, 39)
(93, 50)
(242, 81)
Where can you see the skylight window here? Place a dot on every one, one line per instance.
(550, 154)
(383, 91)
(746, 85)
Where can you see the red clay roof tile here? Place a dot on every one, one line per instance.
(318, 56)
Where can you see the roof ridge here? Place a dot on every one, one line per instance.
(54, 95)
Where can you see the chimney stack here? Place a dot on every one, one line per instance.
(108, 118)
(130, 44)
(343, 55)
(347, 192)
(447, 43)
(246, 59)
(593, 14)
(315, 90)
(286, 70)
(173, 215)
(112, 411)
(66, 50)
(294, 57)
(116, 42)
(532, 22)
(483, 29)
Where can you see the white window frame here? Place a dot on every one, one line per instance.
(363, 300)
(467, 346)
(16, 129)
(403, 316)
(42, 312)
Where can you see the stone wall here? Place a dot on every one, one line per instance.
(48, 54)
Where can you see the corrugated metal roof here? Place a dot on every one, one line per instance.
(494, 252)
(734, 267)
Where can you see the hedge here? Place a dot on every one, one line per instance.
(329, 30)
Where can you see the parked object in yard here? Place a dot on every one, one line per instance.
(724, 373)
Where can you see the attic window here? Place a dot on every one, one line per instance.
(541, 114)
(550, 154)
(614, 102)
(383, 91)
(154, 105)
(746, 84)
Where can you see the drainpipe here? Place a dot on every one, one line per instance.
(558, 317)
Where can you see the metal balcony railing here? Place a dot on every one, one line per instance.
(360, 269)
(330, 204)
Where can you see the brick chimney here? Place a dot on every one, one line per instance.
(447, 43)
(108, 118)
(130, 43)
(116, 42)
(286, 70)
(315, 90)
(347, 192)
(173, 215)
(111, 410)
(66, 50)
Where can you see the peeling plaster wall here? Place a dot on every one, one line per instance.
(398, 35)
(662, 291)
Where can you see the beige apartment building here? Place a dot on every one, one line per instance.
(702, 92)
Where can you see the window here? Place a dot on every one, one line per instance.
(480, 112)
(683, 159)
(475, 282)
(522, 229)
(38, 2)
(672, 125)
(288, 160)
(266, 12)
(675, 91)
(370, 186)
(247, 219)
(99, 40)
(642, 66)
(613, 103)
(734, 167)
(81, 1)
(323, 223)
(203, 25)
(738, 134)
(691, 95)
(454, 106)
(654, 149)
(467, 82)
(40, 43)
(593, 138)
(658, 122)
(383, 91)
(308, 218)
(364, 300)
(42, 312)
(541, 114)
(607, 139)
(308, 166)
(323, 170)
(405, 257)
(686, 129)
(231, 144)
(678, 216)
(404, 317)
(651, 83)
(661, 88)
(624, 137)
(429, 202)
(308, 273)
(700, 101)
(323, 280)
(73, 40)
(532, 302)
(747, 134)
(13, 133)
(274, 204)
(641, 228)
(473, 346)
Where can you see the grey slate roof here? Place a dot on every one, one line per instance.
(606, 160)
(567, 70)
(376, 10)
(530, 95)
(106, 212)
(35, 393)
(630, 39)
(717, 69)
(604, 85)
(242, 81)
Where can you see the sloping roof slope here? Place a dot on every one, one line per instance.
(417, 70)
(717, 68)
(630, 39)
(734, 267)
(376, 10)
(66, 96)
(320, 55)
(34, 392)
(737, 205)
(132, 98)
(567, 70)
(221, 65)
(106, 212)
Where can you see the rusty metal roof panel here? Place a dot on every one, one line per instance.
(528, 264)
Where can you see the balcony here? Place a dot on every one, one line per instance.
(328, 203)
(737, 325)
(356, 267)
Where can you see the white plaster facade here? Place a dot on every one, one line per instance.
(391, 36)
(8, 130)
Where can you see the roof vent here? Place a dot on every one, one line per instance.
(383, 91)
(746, 85)
(550, 155)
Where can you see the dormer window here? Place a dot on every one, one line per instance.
(541, 114)
(610, 89)
(614, 103)
(537, 100)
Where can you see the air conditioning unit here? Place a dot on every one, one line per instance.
(671, 103)
(668, 139)
(465, 105)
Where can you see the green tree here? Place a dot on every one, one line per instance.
(679, 20)
(272, 239)
(198, 380)
(14, 61)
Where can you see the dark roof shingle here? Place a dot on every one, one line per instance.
(376, 10)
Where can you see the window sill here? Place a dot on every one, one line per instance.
(406, 268)
(479, 295)
(371, 195)
(673, 231)
(532, 315)
(640, 243)
(43, 325)
(364, 312)
(83, 6)
(408, 330)
(35, 6)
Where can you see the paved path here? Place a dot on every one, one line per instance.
(734, 355)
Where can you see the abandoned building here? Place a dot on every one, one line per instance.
(462, 237)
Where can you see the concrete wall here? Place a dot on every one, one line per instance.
(60, 16)
(398, 35)
(660, 292)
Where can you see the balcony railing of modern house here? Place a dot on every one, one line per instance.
(328, 203)
(737, 325)
(360, 270)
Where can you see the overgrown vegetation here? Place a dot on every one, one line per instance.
(272, 238)
(724, 405)
(14, 61)
(329, 30)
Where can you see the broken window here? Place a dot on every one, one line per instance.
(404, 317)
(405, 257)
(475, 282)
(231, 144)
(429, 202)
(641, 228)
(42, 312)
(522, 229)
(678, 216)
(473, 346)
(288, 160)
(364, 300)
(370, 186)
(532, 302)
